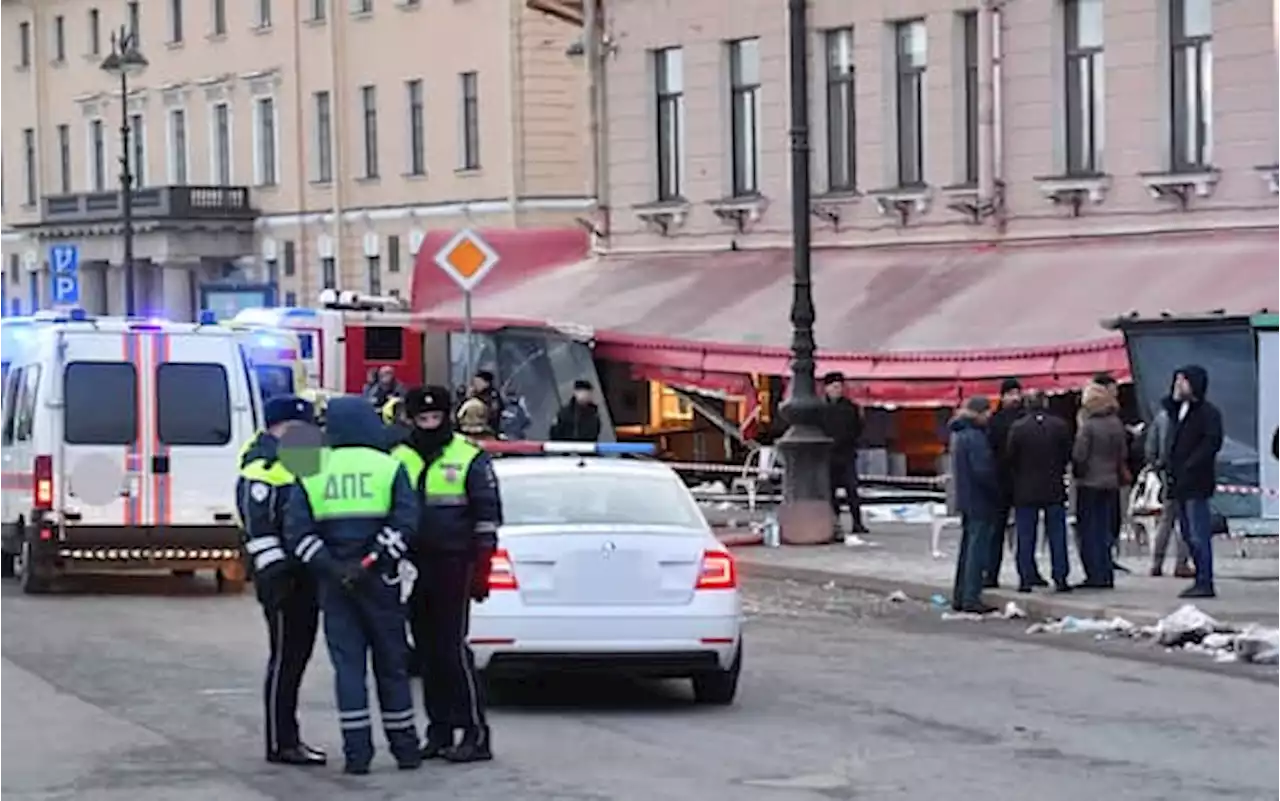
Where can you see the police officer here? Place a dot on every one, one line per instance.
(461, 512)
(350, 524)
(285, 590)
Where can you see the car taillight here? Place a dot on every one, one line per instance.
(42, 499)
(718, 572)
(502, 574)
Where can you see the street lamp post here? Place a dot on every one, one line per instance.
(805, 516)
(124, 62)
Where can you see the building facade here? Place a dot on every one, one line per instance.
(1123, 117)
(303, 144)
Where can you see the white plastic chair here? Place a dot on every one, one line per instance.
(756, 470)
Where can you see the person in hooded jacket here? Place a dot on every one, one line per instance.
(1038, 454)
(1006, 414)
(579, 419)
(461, 513)
(842, 421)
(977, 498)
(1099, 460)
(1193, 450)
(1158, 441)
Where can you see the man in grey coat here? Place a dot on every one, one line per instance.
(1159, 438)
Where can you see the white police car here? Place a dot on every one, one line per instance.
(607, 564)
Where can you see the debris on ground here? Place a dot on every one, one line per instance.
(1010, 611)
(854, 540)
(1082, 625)
(897, 597)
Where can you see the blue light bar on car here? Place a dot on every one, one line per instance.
(534, 448)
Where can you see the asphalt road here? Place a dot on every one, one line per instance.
(148, 691)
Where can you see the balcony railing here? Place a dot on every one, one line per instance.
(153, 203)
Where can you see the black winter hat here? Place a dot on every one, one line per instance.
(1009, 385)
(284, 408)
(431, 398)
(834, 377)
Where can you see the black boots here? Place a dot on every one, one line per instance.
(300, 754)
(474, 747)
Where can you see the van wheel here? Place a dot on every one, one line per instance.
(718, 688)
(229, 584)
(28, 578)
(8, 564)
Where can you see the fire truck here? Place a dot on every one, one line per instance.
(344, 342)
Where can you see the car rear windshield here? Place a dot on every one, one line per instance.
(582, 498)
(193, 404)
(100, 403)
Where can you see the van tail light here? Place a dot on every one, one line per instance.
(718, 572)
(502, 574)
(42, 495)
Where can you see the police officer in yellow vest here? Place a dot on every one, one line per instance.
(351, 524)
(461, 512)
(285, 590)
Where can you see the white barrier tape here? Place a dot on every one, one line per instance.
(1236, 489)
(776, 472)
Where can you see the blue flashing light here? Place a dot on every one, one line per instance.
(266, 341)
(208, 317)
(78, 315)
(294, 311)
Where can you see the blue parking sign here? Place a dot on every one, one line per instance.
(64, 263)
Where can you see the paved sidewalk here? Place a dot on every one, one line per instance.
(896, 557)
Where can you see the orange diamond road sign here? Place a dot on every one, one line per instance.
(466, 258)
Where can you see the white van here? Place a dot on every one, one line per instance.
(120, 441)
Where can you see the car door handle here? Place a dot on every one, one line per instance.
(222, 517)
(160, 464)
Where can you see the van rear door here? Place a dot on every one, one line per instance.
(203, 412)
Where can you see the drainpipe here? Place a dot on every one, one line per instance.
(986, 106)
(598, 173)
(300, 148)
(515, 97)
(337, 119)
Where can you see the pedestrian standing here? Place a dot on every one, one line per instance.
(977, 494)
(1159, 440)
(285, 591)
(460, 516)
(579, 419)
(1193, 451)
(351, 525)
(842, 421)
(1038, 454)
(1009, 410)
(1098, 461)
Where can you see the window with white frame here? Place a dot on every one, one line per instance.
(910, 59)
(969, 54)
(361, 6)
(329, 272)
(135, 21)
(64, 159)
(323, 145)
(218, 17)
(1085, 93)
(179, 153)
(842, 152)
(668, 75)
(24, 44)
(29, 168)
(265, 142)
(262, 13)
(97, 160)
(417, 161)
(59, 39)
(319, 10)
(744, 112)
(175, 21)
(369, 119)
(95, 32)
(138, 142)
(1191, 81)
(373, 266)
(469, 121)
(220, 135)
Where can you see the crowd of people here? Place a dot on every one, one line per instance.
(1018, 459)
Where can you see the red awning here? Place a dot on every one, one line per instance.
(915, 324)
(522, 254)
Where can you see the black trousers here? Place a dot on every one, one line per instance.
(844, 475)
(291, 631)
(440, 616)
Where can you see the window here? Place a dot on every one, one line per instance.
(324, 138)
(569, 498)
(99, 402)
(97, 156)
(64, 159)
(1085, 94)
(59, 39)
(1191, 57)
(178, 153)
(24, 44)
(264, 141)
(24, 415)
(12, 385)
(361, 6)
(29, 166)
(668, 73)
(910, 58)
(369, 105)
(469, 147)
(219, 15)
(95, 32)
(290, 257)
(263, 15)
(417, 136)
(393, 254)
(318, 10)
(291, 299)
(329, 272)
(193, 404)
(373, 265)
(273, 380)
(383, 343)
(135, 21)
(842, 158)
(175, 21)
(221, 153)
(138, 138)
(744, 103)
(969, 45)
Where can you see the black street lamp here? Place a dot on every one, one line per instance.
(805, 516)
(125, 62)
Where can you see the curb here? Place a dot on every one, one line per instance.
(1038, 607)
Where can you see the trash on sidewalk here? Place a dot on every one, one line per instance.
(854, 540)
(897, 597)
(1185, 625)
(1010, 611)
(1258, 644)
(1082, 625)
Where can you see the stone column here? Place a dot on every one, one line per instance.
(175, 293)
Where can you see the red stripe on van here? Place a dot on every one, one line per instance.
(164, 484)
(133, 458)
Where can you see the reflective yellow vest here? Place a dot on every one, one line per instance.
(446, 480)
(352, 482)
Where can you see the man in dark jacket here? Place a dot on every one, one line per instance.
(1009, 410)
(1038, 453)
(1193, 449)
(482, 387)
(579, 419)
(843, 423)
(977, 496)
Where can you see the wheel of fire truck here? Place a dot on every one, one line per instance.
(10, 544)
(231, 578)
(32, 575)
